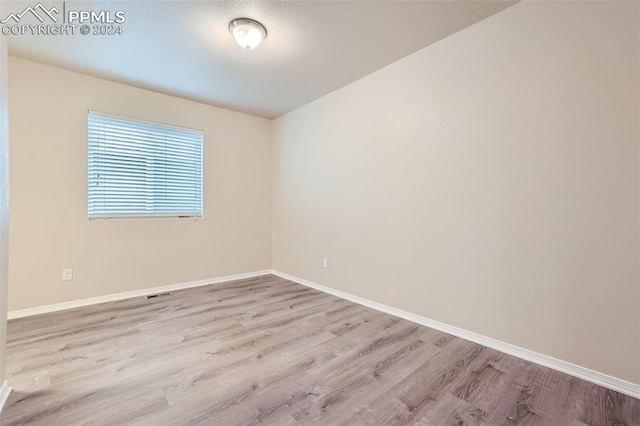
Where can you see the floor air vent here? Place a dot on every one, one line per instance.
(152, 296)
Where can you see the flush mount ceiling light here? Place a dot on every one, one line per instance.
(247, 32)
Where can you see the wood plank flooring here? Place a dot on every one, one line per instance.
(266, 350)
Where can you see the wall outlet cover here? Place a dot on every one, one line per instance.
(67, 274)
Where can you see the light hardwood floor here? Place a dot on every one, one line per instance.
(266, 350)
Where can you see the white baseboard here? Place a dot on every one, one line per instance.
(129, 294)
(592, 376)
(5, 390)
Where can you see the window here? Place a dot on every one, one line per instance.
(139, 169)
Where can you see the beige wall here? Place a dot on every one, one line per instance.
(489, 181)
(4, 198)
(49, 226)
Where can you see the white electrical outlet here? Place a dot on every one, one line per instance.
(325, 262)
(67, 274)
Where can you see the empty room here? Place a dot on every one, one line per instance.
(315, 212)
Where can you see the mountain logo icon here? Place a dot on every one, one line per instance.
(39, 11)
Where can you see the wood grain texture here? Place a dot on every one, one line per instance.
(269, 351)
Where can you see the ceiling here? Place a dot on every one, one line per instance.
(184, 48)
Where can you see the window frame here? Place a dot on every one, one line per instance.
(143, 215)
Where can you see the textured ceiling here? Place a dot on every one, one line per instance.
(184, 48)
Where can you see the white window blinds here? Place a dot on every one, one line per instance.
(139, 169)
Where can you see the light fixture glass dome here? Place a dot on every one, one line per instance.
(247, 32)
